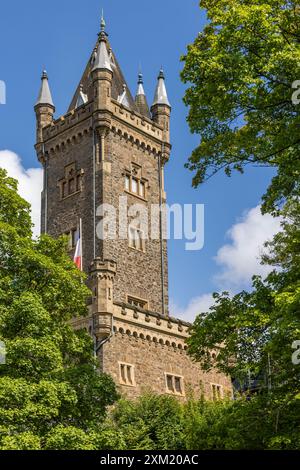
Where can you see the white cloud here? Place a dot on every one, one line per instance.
(240, 259)
(196, 305)
(30, 183)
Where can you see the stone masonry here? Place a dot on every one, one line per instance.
(108, 146)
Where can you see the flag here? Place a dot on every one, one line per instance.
(78, 255)
(78, 250)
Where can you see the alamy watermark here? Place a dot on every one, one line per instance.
(2, 353)
(296, 354)
(2, 92)
(296, 94)
(139, 222)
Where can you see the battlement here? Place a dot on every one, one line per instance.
(154, 349)
(111, 147)
(64, 130)
(136, 318)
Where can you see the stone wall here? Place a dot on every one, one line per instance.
(154, 346)
(64, 214)
(138, 273)
(70, 140)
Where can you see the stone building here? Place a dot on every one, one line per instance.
(108, 150)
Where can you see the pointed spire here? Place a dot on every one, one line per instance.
(161, 96)
(45, 93)
(140, 99)
(107, 59)
(140, 90)
(102, 60)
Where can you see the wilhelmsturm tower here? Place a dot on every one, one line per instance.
(110, 145)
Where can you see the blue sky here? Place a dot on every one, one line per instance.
(59, 35)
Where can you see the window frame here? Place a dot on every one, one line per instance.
(71, 234)
(140, 183)
(71, 184)
(217, 391)
(129, 374)
(144, 304)
(141, 246)
(173, 390)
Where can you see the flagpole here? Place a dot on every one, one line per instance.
(80, 231)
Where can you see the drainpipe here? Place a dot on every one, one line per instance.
(98, 346)
(45, 190)
(161, 230)
(94, 192)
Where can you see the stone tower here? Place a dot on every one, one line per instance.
(109, 151)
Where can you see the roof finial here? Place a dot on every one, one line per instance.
(102, 23)
(140, 77)
(102, 60)
(161, 73)
(140, 89)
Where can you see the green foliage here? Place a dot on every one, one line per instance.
(73, 438)
(240, 71)
(255, 332)
(94, 393)
(22, 441)
(155, 422)
(68, 438)
(257, 329)
(150, 422)
(256, 424)
(14, 210)
(51, 395)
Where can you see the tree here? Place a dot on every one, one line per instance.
(255, 331)
(240, 72)
(50, 390)
(254, 327)
(151, 422)
(241, 424)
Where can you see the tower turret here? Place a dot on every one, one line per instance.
(44, 108)
(102, 73)
(102, 76)
(140, 99)
(161, 108)
(102, 275)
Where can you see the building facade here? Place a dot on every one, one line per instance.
(104, 172)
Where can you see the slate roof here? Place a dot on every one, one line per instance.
(45, 96)
(118, 81)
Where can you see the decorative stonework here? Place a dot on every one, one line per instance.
(154, 350)
(97, 144)
(72, 181)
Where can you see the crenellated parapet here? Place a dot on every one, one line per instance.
(138, 323)
(106, 156)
